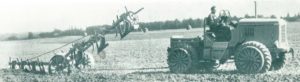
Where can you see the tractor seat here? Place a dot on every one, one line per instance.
(223, 34)
(209, 39)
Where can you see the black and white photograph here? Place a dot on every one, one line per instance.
(149, 40)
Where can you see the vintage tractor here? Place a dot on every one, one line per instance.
(256, 45)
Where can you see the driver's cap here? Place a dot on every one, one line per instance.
(213, 7)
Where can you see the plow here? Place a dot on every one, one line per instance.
(77, 57)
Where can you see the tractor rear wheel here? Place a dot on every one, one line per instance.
(279, 62)
(253, 57)
(180, 60)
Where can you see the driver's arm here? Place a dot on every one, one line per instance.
(209, 20)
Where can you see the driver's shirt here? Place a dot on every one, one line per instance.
(212, 21)
(213, 17)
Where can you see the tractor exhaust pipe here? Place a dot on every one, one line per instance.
(255, 9)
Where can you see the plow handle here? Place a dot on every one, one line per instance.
(138, 10)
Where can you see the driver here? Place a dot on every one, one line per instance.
(219, 25)
(212, 20)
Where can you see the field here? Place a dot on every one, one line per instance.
(139, 57)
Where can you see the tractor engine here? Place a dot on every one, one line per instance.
(187, 49)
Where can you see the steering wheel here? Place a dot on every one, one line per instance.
(224, 13)
(225, 16)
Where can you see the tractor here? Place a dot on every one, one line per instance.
(256, 45)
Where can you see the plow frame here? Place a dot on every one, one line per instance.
(76, 56)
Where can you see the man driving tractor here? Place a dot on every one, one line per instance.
(212, 19)
(219, 25)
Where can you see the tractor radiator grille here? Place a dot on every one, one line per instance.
(249, 32)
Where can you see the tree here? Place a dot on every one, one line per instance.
(72, 32)
(56, 32)
(272, 16)
(247, 16)
(191, 22)
(288, 15)
(260, 16)
(46, 35)
(13, 37)
(198, 22)
(30, 35)
(235, 18)
(177, 23)
(100, 29)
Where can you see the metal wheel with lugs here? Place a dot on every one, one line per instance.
(179, 61)
(253, 57)
(279, 62)
(182, 59)
(58, 64)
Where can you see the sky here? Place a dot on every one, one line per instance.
(46, 15)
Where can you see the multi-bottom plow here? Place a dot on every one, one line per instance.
(76, 57)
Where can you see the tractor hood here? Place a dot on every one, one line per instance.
(180, 37)
(270, 32)
(257, 21)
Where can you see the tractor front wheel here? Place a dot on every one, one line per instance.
(279, 62)
(179, 60)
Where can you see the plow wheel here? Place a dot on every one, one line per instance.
(253, 57)
(180, 60)
(58, 64)
(279, 62)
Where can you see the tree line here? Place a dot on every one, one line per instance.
(52, 34)
(295, 17)
(151, 26)
(288, 17)
(172, 24)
